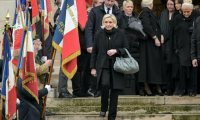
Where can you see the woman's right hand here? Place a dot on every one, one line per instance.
(94, 72)
(157, 42)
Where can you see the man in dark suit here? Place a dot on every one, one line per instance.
(94, 24)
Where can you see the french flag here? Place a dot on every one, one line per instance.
(27, 62)
(66, 39)
(8, 88)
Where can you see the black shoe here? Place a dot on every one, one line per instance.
(168, 92)
(146, 94)
(97, 94)
(91, 92)
(65, 95)
(192, 94)
(160, 94)
(102, 114)
(81, 94)
(49, 113)
(181, 93)
(176, 92)
(142, 93)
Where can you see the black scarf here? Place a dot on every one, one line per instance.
(108, 43)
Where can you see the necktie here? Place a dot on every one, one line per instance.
(108, 10)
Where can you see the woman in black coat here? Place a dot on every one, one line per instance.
(151, 56)
(183, 28)
(133, 42)
(109, 43)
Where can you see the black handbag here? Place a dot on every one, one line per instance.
(135, 27)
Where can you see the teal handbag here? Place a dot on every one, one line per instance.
(126, 65)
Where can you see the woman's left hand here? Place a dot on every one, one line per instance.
(162, 39)
(111, 52)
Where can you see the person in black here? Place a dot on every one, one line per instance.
(94, 25)
(151, 69)
(195, 47)
(133, 42)
(183, 28)
(165, 24)
(109, 43)
(172, 56)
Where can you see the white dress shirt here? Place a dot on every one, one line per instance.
(106, 9)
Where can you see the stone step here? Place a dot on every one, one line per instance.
(125, 116)
(134, 109)
(128, 100)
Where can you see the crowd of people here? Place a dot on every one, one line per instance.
(168, 59)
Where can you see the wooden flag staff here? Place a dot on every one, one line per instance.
(53, 51)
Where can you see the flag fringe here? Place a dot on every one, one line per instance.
(56, 46)
(66, 60)
(35, 19)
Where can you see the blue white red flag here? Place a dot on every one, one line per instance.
(8, 89)
(27, 62)
(66, 39)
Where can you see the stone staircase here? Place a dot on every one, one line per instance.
(129, 107)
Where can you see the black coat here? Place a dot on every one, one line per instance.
(151, 59)
(182, 36)
(26, 112)
(133, 41)
(95, 22)
(48, 41)
(99, 55)
(195, 41)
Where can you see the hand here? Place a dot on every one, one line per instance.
(111, 52)
(162, 39)
(49, 62)
(18, 101)
(94, 72)
(194, 63)
(57, 19)
(48, 87)
(44, 59)
(89, 49)
(157, 42)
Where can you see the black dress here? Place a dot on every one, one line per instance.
(151, 56)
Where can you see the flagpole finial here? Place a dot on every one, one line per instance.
(7, 19)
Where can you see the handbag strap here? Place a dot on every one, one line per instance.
(139, 15)
(129, 55)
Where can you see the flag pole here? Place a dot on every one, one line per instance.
(53, 51)
(6, 30)
(43, 44)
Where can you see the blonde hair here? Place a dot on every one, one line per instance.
(127, 1)
(109, 16)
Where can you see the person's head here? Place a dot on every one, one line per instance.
(178, 4)
(109, 3)
(147, 3)
(128, 7)
(98, 2)
(117, 4)
(109, 22)
(39, 5)
(187, 8)
(58, 3)
(170, 5)
(197, 7)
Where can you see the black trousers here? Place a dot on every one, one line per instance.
(106, 85)
(90, 81)
(77, 80)
(188, 75)
(170, 82)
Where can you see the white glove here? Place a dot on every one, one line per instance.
(18, 101)
(48, 87)
(44, 59)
